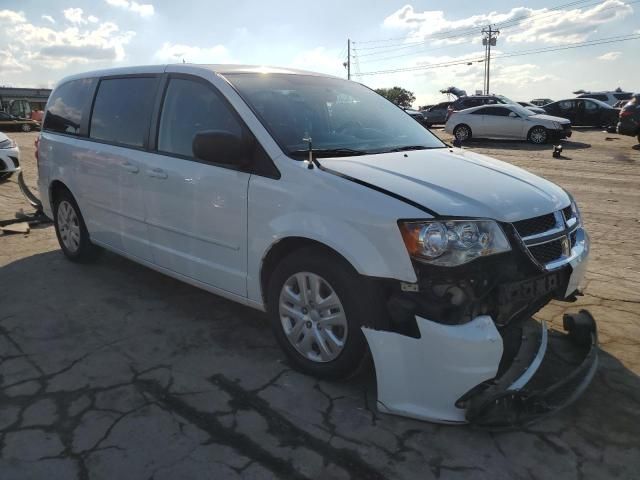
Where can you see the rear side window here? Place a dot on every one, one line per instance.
(122, 110)
(65, 107)
(191, 107)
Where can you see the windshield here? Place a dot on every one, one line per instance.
(341, 117)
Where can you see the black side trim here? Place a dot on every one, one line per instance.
(379, 189)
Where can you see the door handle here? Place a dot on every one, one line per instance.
(157, 173)
(130, 167)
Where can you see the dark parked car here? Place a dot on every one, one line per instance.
(629, 120)
(436, 114)
(541, 101)
(416, 115)
(9, 122)
(465, 102)
(584, 112)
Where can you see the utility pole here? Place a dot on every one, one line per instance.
(490, 39)
(348, 59)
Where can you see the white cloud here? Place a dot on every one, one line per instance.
(85, 41)
(528, 24)
(10, 64)
(48, 18)
(142, 9)
(609, 56)
(11, 17)
(74, 15)
(175, 53)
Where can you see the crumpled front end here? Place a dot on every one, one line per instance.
(462, 346)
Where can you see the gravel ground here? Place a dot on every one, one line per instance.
(112, 370)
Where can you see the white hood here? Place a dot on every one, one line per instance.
(544, 116)
(457, 182)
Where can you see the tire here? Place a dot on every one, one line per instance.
(358, 300)
(25, 127)
(5, 176)
(538, 135)
(71, 230)
(462, 132)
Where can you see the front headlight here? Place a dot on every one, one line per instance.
(557, 126)
(449, 243)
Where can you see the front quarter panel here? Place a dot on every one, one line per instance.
(354, 220)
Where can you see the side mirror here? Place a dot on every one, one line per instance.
(513, 114)
(223, 147)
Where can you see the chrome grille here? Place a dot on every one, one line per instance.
(536, 225)
(549, 238)
(547, 252)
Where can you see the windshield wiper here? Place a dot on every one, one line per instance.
(409, 147)
(329, 152)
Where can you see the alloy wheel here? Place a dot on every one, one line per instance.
(312, 317)
(69, 226)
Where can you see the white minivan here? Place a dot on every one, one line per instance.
(318, 201)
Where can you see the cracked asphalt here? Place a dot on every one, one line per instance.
(111, 370)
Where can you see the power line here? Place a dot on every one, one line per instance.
(468, 61)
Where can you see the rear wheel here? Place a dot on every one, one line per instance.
(538, 135)
(462, 132)
(317, 304)
(71, 230)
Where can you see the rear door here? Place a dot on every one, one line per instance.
(196, 211)
(110, 175)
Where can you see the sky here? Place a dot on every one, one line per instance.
(426, 44)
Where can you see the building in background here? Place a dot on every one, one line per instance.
(20, 102)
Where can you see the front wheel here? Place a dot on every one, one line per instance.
(538, 135)
(317, 304)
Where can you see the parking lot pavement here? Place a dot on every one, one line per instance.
(111, 370)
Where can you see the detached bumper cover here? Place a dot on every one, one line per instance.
(450, 374)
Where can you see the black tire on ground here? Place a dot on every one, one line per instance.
(361, 300)
(5, 176)
(25, 127)
(538, 135)
(462, 132)
(85, 251)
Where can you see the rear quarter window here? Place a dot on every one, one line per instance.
(66, 106)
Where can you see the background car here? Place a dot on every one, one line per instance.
(541, 101)
(416, 115)
(10, 122)
(436, 114)
(584, 112)
(532, 107)
(629, 119)
(610, 98)
(509, 121)
(9, 157)
(465, 102)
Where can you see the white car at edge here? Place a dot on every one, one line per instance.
(507, 122)
(316, 200)
(9, 157)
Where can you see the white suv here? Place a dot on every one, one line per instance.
(317, 200)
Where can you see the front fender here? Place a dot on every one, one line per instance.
(364, 231)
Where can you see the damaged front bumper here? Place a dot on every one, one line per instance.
(495, 370)
(453, 373)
